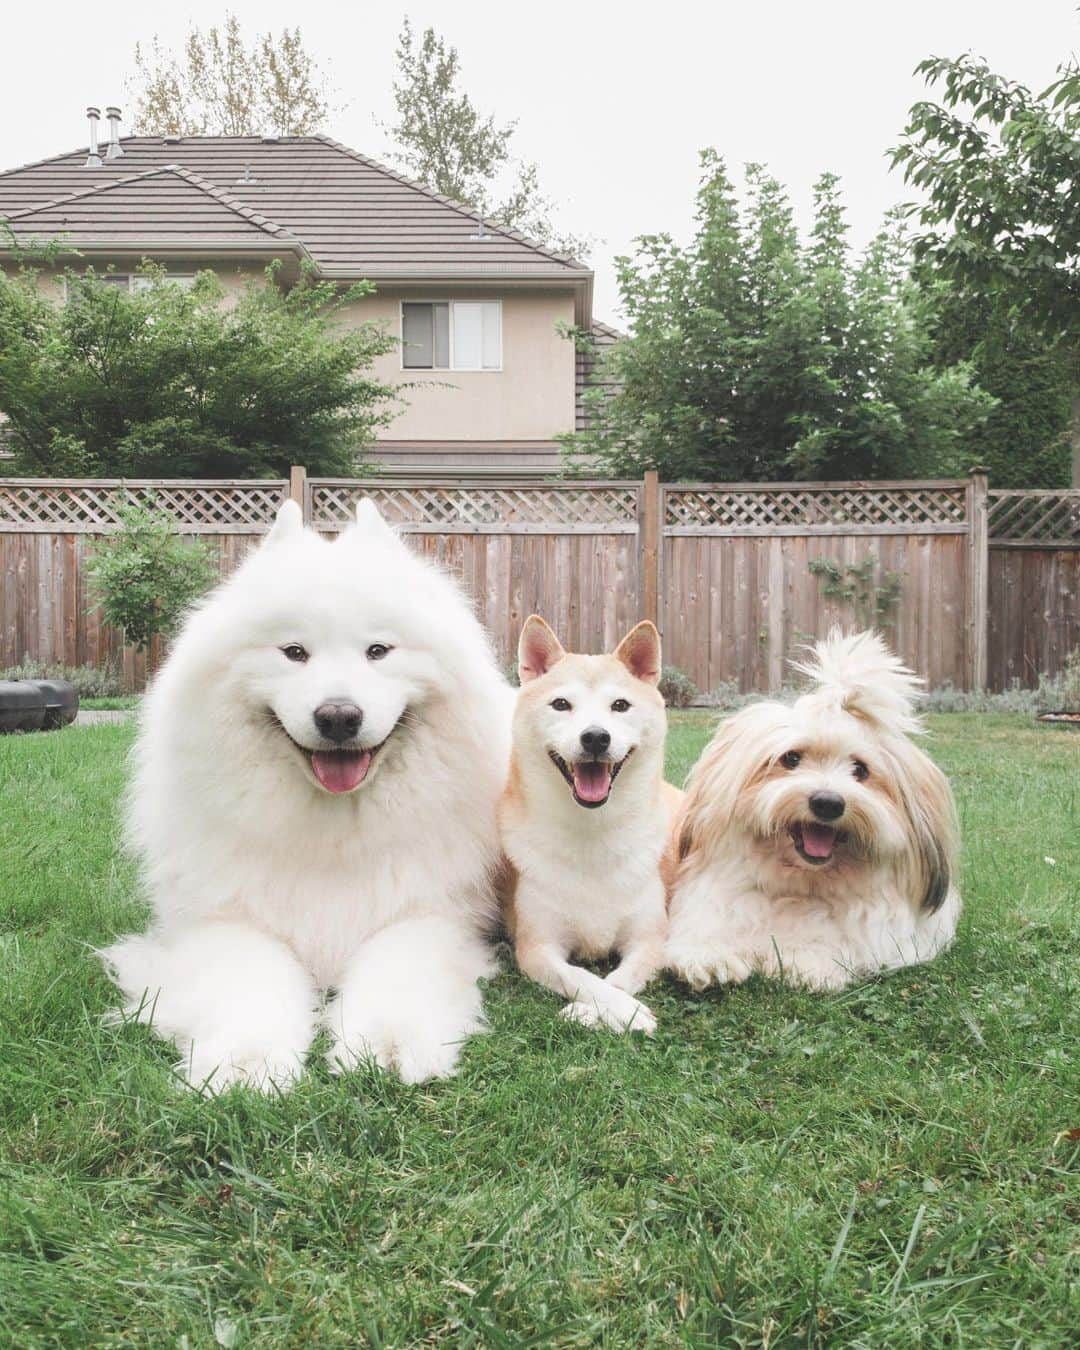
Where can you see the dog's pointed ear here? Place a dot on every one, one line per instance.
(370, 521)
(639, 651)
(538, 649)
(288, 523)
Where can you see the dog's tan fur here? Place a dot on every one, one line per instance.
(586, 882)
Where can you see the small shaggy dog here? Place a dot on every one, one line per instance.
(313, 805)
(816, 842)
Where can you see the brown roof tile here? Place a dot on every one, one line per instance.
(355, 217)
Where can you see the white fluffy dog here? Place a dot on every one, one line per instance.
(816, 840)
(314, 808)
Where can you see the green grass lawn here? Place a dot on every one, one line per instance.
(892, 1166)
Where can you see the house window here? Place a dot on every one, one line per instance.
(131, 282)
(451, 335)
(139, 283)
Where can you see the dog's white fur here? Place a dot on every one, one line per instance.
(587, 881)
(268, 890)
(745, 899)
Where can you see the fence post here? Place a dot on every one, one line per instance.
(978, 577)
(297, 482)
(650, 546)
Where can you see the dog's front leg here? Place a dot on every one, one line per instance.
(642, 947)
(236, 1002)
(593, 1001)
(703, 948)
(410, 997)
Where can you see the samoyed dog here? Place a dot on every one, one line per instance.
(314, 809)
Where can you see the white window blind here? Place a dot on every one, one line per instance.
(451, 335)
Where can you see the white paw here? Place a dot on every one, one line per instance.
(420, 1058)
(699, 968)
(415, 1051)
(630, 981)
(617, 1014)
(822, 975)
(357, 1045)
(211, 1068)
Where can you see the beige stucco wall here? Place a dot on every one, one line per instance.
(530, 399)
(232, 275)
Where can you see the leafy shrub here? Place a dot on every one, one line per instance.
(145, 575)
(945, 699)
(96, 682)
(948, 699)
(1062, 693)
(678, 689)
(164, 381)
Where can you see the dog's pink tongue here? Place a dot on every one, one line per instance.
(818, 840)
(592, 782)
(340, 770)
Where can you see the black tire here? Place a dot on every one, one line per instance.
(61, 702)
(22, 706)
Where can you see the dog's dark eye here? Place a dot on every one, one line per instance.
(377, 651)
(620, 705)
(860, 772)
(560, 704)
(294, 652)
(792, 759)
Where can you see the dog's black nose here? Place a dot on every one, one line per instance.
(338, 720)
(595, 740)
(827, 805)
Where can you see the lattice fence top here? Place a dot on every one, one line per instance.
(89, 506)
(557, 508)
(1017, 517)
(794, 508)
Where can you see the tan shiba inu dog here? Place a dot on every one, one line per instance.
(585, 822)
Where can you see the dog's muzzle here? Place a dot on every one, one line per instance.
(815, 842)
(590, 780)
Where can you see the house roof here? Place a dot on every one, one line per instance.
(353, 216)
(170, 205)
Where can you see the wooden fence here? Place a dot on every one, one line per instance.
(1034, 584)
(738, 576)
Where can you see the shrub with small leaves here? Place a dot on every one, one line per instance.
(96, 682)
(145, 575)
(678, 689)
(1061, 693)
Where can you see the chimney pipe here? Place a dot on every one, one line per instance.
(93, 159)
(115, 149)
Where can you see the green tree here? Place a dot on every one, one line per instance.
(449, 146)
(221, 86)
(1024, 442)
(167, 381)
(757, 356)
(1000, 167)
(145, 575)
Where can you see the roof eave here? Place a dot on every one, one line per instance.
(169, 247)
(581, 280)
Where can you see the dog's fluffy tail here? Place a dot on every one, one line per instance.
(860, 674)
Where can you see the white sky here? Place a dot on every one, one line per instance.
(613, 100)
